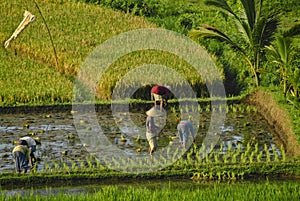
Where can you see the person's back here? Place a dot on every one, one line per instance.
(31, 142)
(21, 156)
(21, 148)
(185, 128)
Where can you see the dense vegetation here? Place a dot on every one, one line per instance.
(276, 24)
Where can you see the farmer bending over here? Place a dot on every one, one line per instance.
(21, 156)
(185, 128)
(31, 142)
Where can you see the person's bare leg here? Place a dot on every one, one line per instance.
(161, 105)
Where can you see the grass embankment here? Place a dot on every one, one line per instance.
(282, 116)
(198, 173)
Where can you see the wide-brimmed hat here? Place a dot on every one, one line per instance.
(153, 112)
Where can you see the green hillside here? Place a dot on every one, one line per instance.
(78, 26)
(28, 71)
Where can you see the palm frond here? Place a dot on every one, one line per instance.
(250, 12)
(221, 4)
(284, 47)
(246, 32)
(207, 31)
(280, 51)
(265, 28)
(274, 54)
(294, 31)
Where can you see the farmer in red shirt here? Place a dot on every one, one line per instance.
(160, 93)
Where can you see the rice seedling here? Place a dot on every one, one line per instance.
(282, 151)
(268, 155)
(259, 157)
(207, 108)
(89, 162)
(56, 165)
(234, 158)
(65, 167)
(234, 109)
(252, 157)
(275, 153)
(216, 158)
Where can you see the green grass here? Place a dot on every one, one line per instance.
(264, 191)
(76, 29)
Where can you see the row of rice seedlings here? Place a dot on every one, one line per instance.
(195, 157)
(235, 108)
(242, 108)
(220, 176)
(89, 163)
(246, 155)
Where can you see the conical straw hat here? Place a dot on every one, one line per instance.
(153, 112)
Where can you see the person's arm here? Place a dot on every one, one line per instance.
(147, 124)
(157, 129)
(27, 153)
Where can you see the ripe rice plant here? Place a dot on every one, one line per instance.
(74, 39)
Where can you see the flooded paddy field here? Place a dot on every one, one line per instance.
(60, 142)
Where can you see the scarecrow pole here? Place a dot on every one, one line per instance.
(28, 18)
(53, 46)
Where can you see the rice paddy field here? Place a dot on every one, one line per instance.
(247, 160)
(241, 139)
(37, 73)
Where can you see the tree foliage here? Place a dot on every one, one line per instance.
(256, 28)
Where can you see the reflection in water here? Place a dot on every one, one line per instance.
(60, 141)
